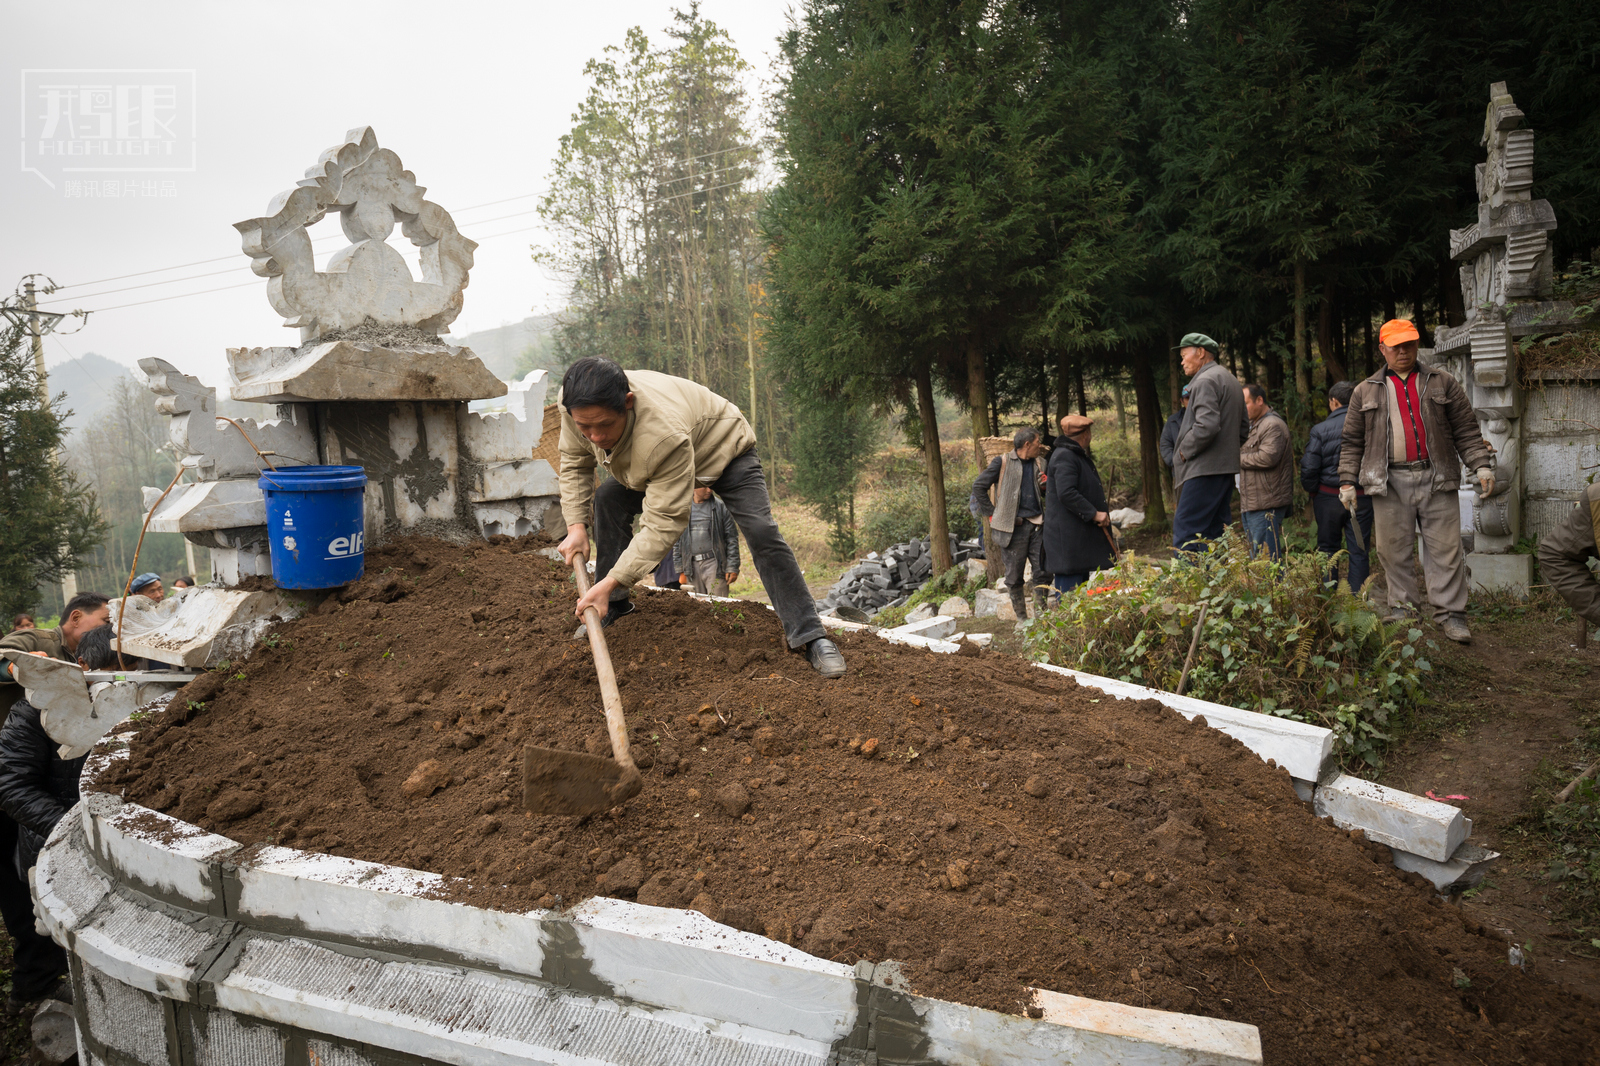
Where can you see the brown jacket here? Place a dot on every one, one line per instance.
(1447, 418)
(30, 640)
(1266, 462)
(1564, 555)
(679, 434)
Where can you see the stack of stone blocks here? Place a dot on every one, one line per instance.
(1542, 438)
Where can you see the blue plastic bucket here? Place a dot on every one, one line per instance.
(315, 524)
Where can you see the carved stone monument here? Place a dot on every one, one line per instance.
(1505, 259)
(370, 384)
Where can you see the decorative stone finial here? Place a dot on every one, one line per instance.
(367, 282)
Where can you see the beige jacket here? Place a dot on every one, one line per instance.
(1266, 465)
(679, 434)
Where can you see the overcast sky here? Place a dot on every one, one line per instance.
(472, 96)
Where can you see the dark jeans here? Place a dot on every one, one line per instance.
(743, 490)
(39, 961)
(1204, 510)
(1334, 525)
(1027, 546)
(1068, 582)
(1265, 527)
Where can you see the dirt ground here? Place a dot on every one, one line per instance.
(1051, 836)
(1502, 727)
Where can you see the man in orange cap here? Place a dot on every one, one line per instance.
(1409, 430)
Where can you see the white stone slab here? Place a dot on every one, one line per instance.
(197, 627)
(1464, 869)
(936, 628)
(982, 640)
(1115, 1033)
(685, 961)
(286, 890)
(1512, 572)
(1416, 824)
(157, 851)
(513, 480)
(447, 1015)
(1301, 748)
(943, 647)
(208, 505)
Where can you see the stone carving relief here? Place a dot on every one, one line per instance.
(367, 281)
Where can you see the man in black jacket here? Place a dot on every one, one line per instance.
(37, 788)
(1319, 473)
(1076, 522)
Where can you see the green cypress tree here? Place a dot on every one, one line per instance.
(48, 520)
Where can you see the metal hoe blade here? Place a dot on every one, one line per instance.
(573, 782)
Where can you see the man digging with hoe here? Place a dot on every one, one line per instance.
(660, 437)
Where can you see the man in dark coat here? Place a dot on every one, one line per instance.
(706, 557)
(1016, 516)
(1076, 520)
(37, 788)
(1169, 432)
(1206, 457)
(1319, 473)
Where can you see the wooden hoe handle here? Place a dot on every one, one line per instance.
(616, 724)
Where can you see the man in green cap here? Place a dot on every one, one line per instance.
(1206, 455)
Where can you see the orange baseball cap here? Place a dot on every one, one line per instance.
(1398, 331)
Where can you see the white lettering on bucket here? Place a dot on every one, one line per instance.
(344, 547)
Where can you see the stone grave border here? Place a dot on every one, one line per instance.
(187, 947)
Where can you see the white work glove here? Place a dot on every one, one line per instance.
(1347, 497)
(1486, 479)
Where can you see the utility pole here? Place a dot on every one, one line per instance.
(37, 323)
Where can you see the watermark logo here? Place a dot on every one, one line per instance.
(79, 125)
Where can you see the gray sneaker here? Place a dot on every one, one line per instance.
(825, 658)
(1454, 626)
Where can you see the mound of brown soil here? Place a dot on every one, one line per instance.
(989, 824)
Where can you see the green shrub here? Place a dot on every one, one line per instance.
(953, 582)
(1278, 639)
(900, 512)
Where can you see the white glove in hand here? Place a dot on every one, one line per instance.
(1347, 497)
(1486, 479)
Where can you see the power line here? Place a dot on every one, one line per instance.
(225, 258)
(225, 288)
(242, 266)
(164, 299)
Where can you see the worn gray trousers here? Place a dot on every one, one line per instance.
(1411, 504)
(743, 489)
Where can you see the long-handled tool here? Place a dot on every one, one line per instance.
(573, 782)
